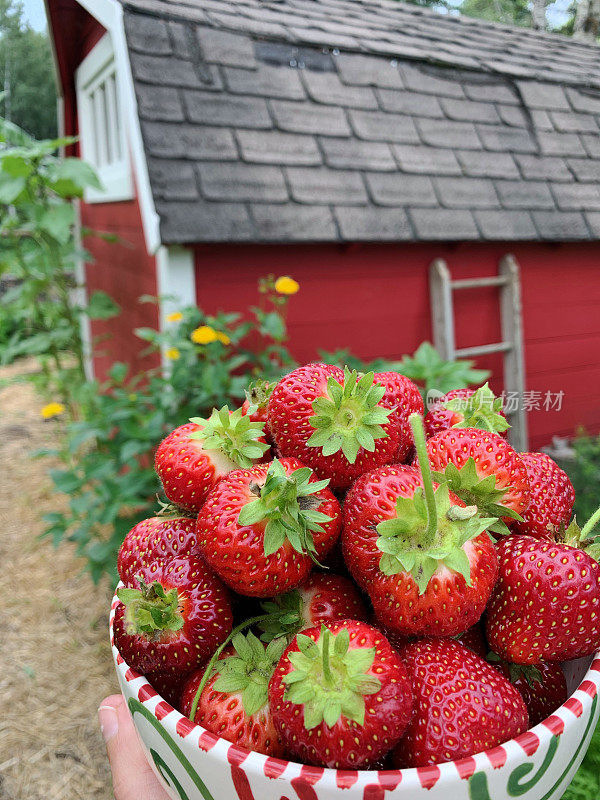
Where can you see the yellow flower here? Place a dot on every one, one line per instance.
(172, 353)
(286, 285)
(223, 338)
(204, 335)
(52, 410)
(175, 316)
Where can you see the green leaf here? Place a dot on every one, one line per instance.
(101, 306)
(58, 221)
(11, 188)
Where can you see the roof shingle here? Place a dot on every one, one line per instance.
(292, 120)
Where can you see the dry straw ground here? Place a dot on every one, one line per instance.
(55, 661)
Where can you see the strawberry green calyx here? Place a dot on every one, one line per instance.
(515, 671)
(475, 491)
(329, 679)
(249, 671)
(172, 511)
(428, 530)
(234, 434)
(584, 538)
(482, 410)
(284, 616)
(258, 394)
(210, 668)
(289, 505)
(150, 609)
(350, 416)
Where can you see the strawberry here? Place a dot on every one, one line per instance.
(234, 702)
(261, 529)
(152, 543)
(193, 458)
(175, 622)
(402, 396)
(474, 639)
(552, 497)
(543, 687)
(462, 705)
(321, 598)
(546, 604)
(467, 408)
(169, 684)
(424, 559)
(337, 424)
(483, 470)
(340, 696)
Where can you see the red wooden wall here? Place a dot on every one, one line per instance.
(125, 271)
(374, 300)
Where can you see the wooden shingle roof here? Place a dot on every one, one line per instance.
(356, 120)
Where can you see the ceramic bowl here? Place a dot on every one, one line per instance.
(194, 764)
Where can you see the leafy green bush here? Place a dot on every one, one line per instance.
(425, 367)
(584, 472)
(40, 254)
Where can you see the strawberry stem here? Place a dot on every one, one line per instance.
(416, 424)
(208, 671)
(590, 524)
(326, 665)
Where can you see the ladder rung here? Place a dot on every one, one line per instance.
(476, 283)
(484, 350)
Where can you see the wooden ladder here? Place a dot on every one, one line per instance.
(442, 311)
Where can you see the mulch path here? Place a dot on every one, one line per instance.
(55, 660)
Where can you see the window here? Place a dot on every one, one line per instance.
(103, 142)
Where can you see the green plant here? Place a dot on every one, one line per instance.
(425, 367)
(107, 470)
(40, 255)
(432, 372)
(584, 472)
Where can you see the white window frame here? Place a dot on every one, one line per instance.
(114, 169)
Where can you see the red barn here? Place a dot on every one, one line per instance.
(384, 155)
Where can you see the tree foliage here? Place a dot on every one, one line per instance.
(26, 74)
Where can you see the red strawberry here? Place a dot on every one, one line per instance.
(192, 459)
(483, 470)
(261, 528)
(462, 705)
(337, 424)
(177, 621)
(340, 696)
(169, 684)
(467, 408)
(402, 396)
(546, 604)
(543, 687)
(474, 639)
(152, 543)
(234, 702)
(321, 598)
(552, 497)
(424, 559)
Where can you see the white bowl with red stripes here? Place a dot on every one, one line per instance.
(194, 764)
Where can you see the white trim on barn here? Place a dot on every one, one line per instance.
(100, 111)
(109, 13)
(176, 284)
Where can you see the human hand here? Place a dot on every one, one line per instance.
(132, 775)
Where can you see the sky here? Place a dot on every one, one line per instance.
(35, 14)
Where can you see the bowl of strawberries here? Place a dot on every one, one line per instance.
(351, 598)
